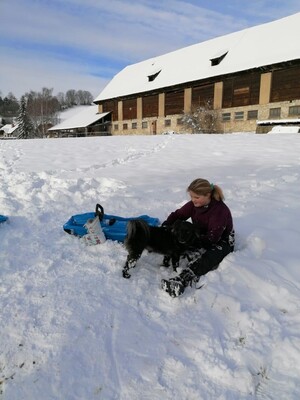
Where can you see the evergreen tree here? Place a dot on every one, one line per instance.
(25, 125)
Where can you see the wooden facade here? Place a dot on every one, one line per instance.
(246, 94)
(241, 90)
(174, 102)
(112, 107)
(285, 84)
(150, 106)
(202, 95)
(130, 109)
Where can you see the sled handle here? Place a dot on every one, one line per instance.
(99, 211)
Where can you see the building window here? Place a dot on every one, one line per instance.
(294, 110)
(226, 117)
(144, 124)
(134, 125)
(125, 127)
(275, 112)
(167, 122)
(239, 115)
(252, 114)
(116, 127)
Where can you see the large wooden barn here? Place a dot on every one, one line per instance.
(251, 78)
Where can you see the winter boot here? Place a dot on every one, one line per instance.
(176, 286)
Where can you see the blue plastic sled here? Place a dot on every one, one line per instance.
(113, 226)
(3, 218)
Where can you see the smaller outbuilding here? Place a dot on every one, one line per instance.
(9, 131)
(88, 122)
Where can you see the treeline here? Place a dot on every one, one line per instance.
(41, 108)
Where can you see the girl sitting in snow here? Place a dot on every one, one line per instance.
(216, 234)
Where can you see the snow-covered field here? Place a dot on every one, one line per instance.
(73, 329)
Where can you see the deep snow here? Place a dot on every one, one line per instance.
(72, 328)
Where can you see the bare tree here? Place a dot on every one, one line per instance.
(61, 99)
(71, 98)
(84, 97)
(201, 119)
(42, 108)
(79, 97)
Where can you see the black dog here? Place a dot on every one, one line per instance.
(171, 241)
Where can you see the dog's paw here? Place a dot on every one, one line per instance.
(126, 274)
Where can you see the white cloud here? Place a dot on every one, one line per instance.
(26, 74)
(70, 42)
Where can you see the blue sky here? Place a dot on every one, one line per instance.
(82, 44)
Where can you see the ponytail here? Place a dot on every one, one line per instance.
(202, 187)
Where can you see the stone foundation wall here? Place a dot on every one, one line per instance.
(171, 123)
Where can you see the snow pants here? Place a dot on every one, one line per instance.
(211, 259)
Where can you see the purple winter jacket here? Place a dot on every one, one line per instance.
(214, 221)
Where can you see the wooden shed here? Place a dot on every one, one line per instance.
(88, 122)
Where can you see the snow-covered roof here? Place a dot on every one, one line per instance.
(70, 112)
(9, 128)
(80, 120)
(279, 121)
(262, 45)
